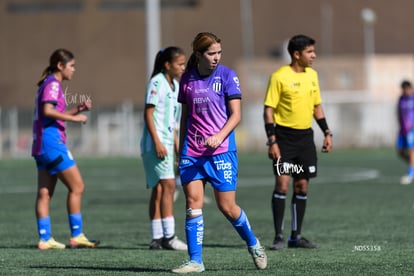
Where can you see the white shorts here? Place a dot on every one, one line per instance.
(156, 168)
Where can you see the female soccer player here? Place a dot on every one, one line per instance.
(405, 140)
(159, 145)
(210, 96)
(53, 159)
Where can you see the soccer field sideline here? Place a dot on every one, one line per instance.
(346, 175)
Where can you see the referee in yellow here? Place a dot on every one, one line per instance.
(292, 100)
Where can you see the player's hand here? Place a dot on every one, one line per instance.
(85, 106)
(161, 151)
(80, 118)
(327, 144)
(274, 152)
(213, 142)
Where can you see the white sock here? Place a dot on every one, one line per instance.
(168, 226)
(156, 229)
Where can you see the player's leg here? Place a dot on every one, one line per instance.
(226, 202)
(282, 182)
(194, 222)
(170, 240)
(194, 193)
(306, 168)
(155, 217)
(298, 206)
(45, 190)
(72, 179)
(278, 209)
(222, 173)
(409, 146)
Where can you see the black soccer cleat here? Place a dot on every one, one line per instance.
(302, 243)
(278, 243)
(156, 244)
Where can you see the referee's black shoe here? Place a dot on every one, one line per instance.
(278, 243)
(301, 243)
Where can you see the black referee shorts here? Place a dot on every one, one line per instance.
(298, 153)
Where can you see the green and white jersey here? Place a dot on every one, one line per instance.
(166, 113)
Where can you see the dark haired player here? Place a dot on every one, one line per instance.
(292, 100)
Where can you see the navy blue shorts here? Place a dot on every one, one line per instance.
(220, 170)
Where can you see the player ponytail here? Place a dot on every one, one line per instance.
(165, 55)
(62, 56)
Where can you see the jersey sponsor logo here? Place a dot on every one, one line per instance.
(153, 92)
(220, 165)
(201, 100)
(226, 168)
(202, 109)
(201, 90)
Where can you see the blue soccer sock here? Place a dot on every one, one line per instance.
(242, 227)
(410, 171)
(194, 230)
(44, 228)
(75, 223)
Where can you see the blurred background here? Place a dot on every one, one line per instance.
(364, 47)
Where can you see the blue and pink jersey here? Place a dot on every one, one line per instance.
(207, 99)
(46, 128)
(406, 114)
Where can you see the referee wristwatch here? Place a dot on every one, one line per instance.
(271, 142)
(328, 133)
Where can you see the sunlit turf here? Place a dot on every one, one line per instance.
(357, 212)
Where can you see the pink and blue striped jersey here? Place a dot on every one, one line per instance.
(207, 99)
(46, 128)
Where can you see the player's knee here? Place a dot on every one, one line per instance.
(194, 212)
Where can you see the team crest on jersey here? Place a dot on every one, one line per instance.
(217, 84)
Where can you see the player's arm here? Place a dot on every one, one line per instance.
(85, 106)
(160, 150)
(50, 112)
(319, 116)
(273, 151)
(234, 119)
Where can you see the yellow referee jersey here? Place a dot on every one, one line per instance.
(293, 97)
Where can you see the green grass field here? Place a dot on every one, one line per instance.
(357, 211)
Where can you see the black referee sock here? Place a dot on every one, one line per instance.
(278, 209)
(298, 208)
